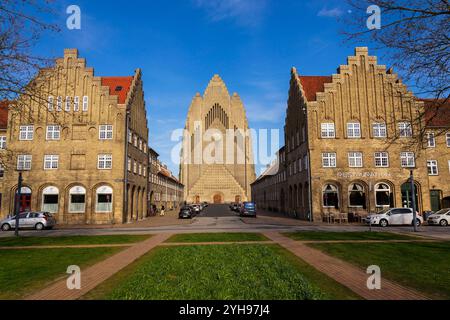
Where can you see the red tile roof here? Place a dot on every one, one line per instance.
(4, 114)
(437, 112)
(314, 84)
(118, 86)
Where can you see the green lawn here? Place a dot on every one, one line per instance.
(217, 237)
(71, 240)
(27, 270)
(327, 235)
(243, 272)
(423, 266)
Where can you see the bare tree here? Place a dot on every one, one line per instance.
(22, 23)
(415, 38)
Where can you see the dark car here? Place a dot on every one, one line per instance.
(186, 213)
(234, 207)
(248, 209)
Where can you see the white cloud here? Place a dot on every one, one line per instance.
(330, 13)
(243, 12)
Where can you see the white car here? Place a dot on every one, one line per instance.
(394, 217)
(442, 218)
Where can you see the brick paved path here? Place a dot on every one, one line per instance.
(96, 274)
(348, 275)
(71, 246)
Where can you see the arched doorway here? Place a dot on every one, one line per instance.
(25, 199)
(407, 196)
(217, 199)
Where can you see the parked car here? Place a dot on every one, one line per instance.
(195, 208)
(235, 207)
(442, 218)
(205, 204)
(394, 217)
(186, 213)
(30, 220)
(248, 209)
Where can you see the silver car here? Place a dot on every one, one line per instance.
(29, 220)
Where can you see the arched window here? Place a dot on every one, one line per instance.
(330, 196)
(357, 195)
(50, 196)
(383, 195)
(104, 195)
(77, 199)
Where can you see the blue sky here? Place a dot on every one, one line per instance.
(180, 45)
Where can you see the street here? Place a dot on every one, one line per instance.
(219, 218)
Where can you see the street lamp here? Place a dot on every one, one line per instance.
(17, 203)
(413, 199)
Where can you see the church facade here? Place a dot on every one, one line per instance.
(217, 159)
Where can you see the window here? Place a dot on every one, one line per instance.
(432, 166)
(140, 169)
(104, 202)
(330, 196)
(300, 168)
(357, 196)
(355, 159)
(24, 162)
(135, 167)
(59, 104)
(130, 136)
(53, 132)
(85, 103)
(106, 132)
(381, 159)
(140, 144)
(67, 105)
(26, 133)
(145, 147)
(77, 199)
(51, 162)
(405, 129)
(448, 139)
(431, 141)
(145, 171)
(379, 130)
(383, 195)
(105, 161)
(50, 103)
(76, 104)
(50, 197)
(305, 162)
(329, 160)
(407, 159)
(2, 142)
(129, 164)
(135, 140)
(354, 130)
(327, 130)
(2, 172)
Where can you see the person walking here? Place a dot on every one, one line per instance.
(162, 211)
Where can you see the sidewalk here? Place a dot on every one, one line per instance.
(96, 274)
(345, 273)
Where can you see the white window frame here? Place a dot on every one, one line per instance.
(105, 132)
(405, 129)
(85, 103)
(26, 133)
(53, 132)
(355, 159)
(407, 159)
(447, 138)
(379, 130)
(328, 130)
(2, 142)
(51, 162)
(67, 106)
(353, 130)
(431, 140)
(59, 103)
(26, 161)
(76, 104)
(135, 167)
(329, 160)
(432, 166)
(129, 164)
(104, 162)
(383, 158)
(50, 103)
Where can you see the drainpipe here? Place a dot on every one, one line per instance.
(125, 181)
